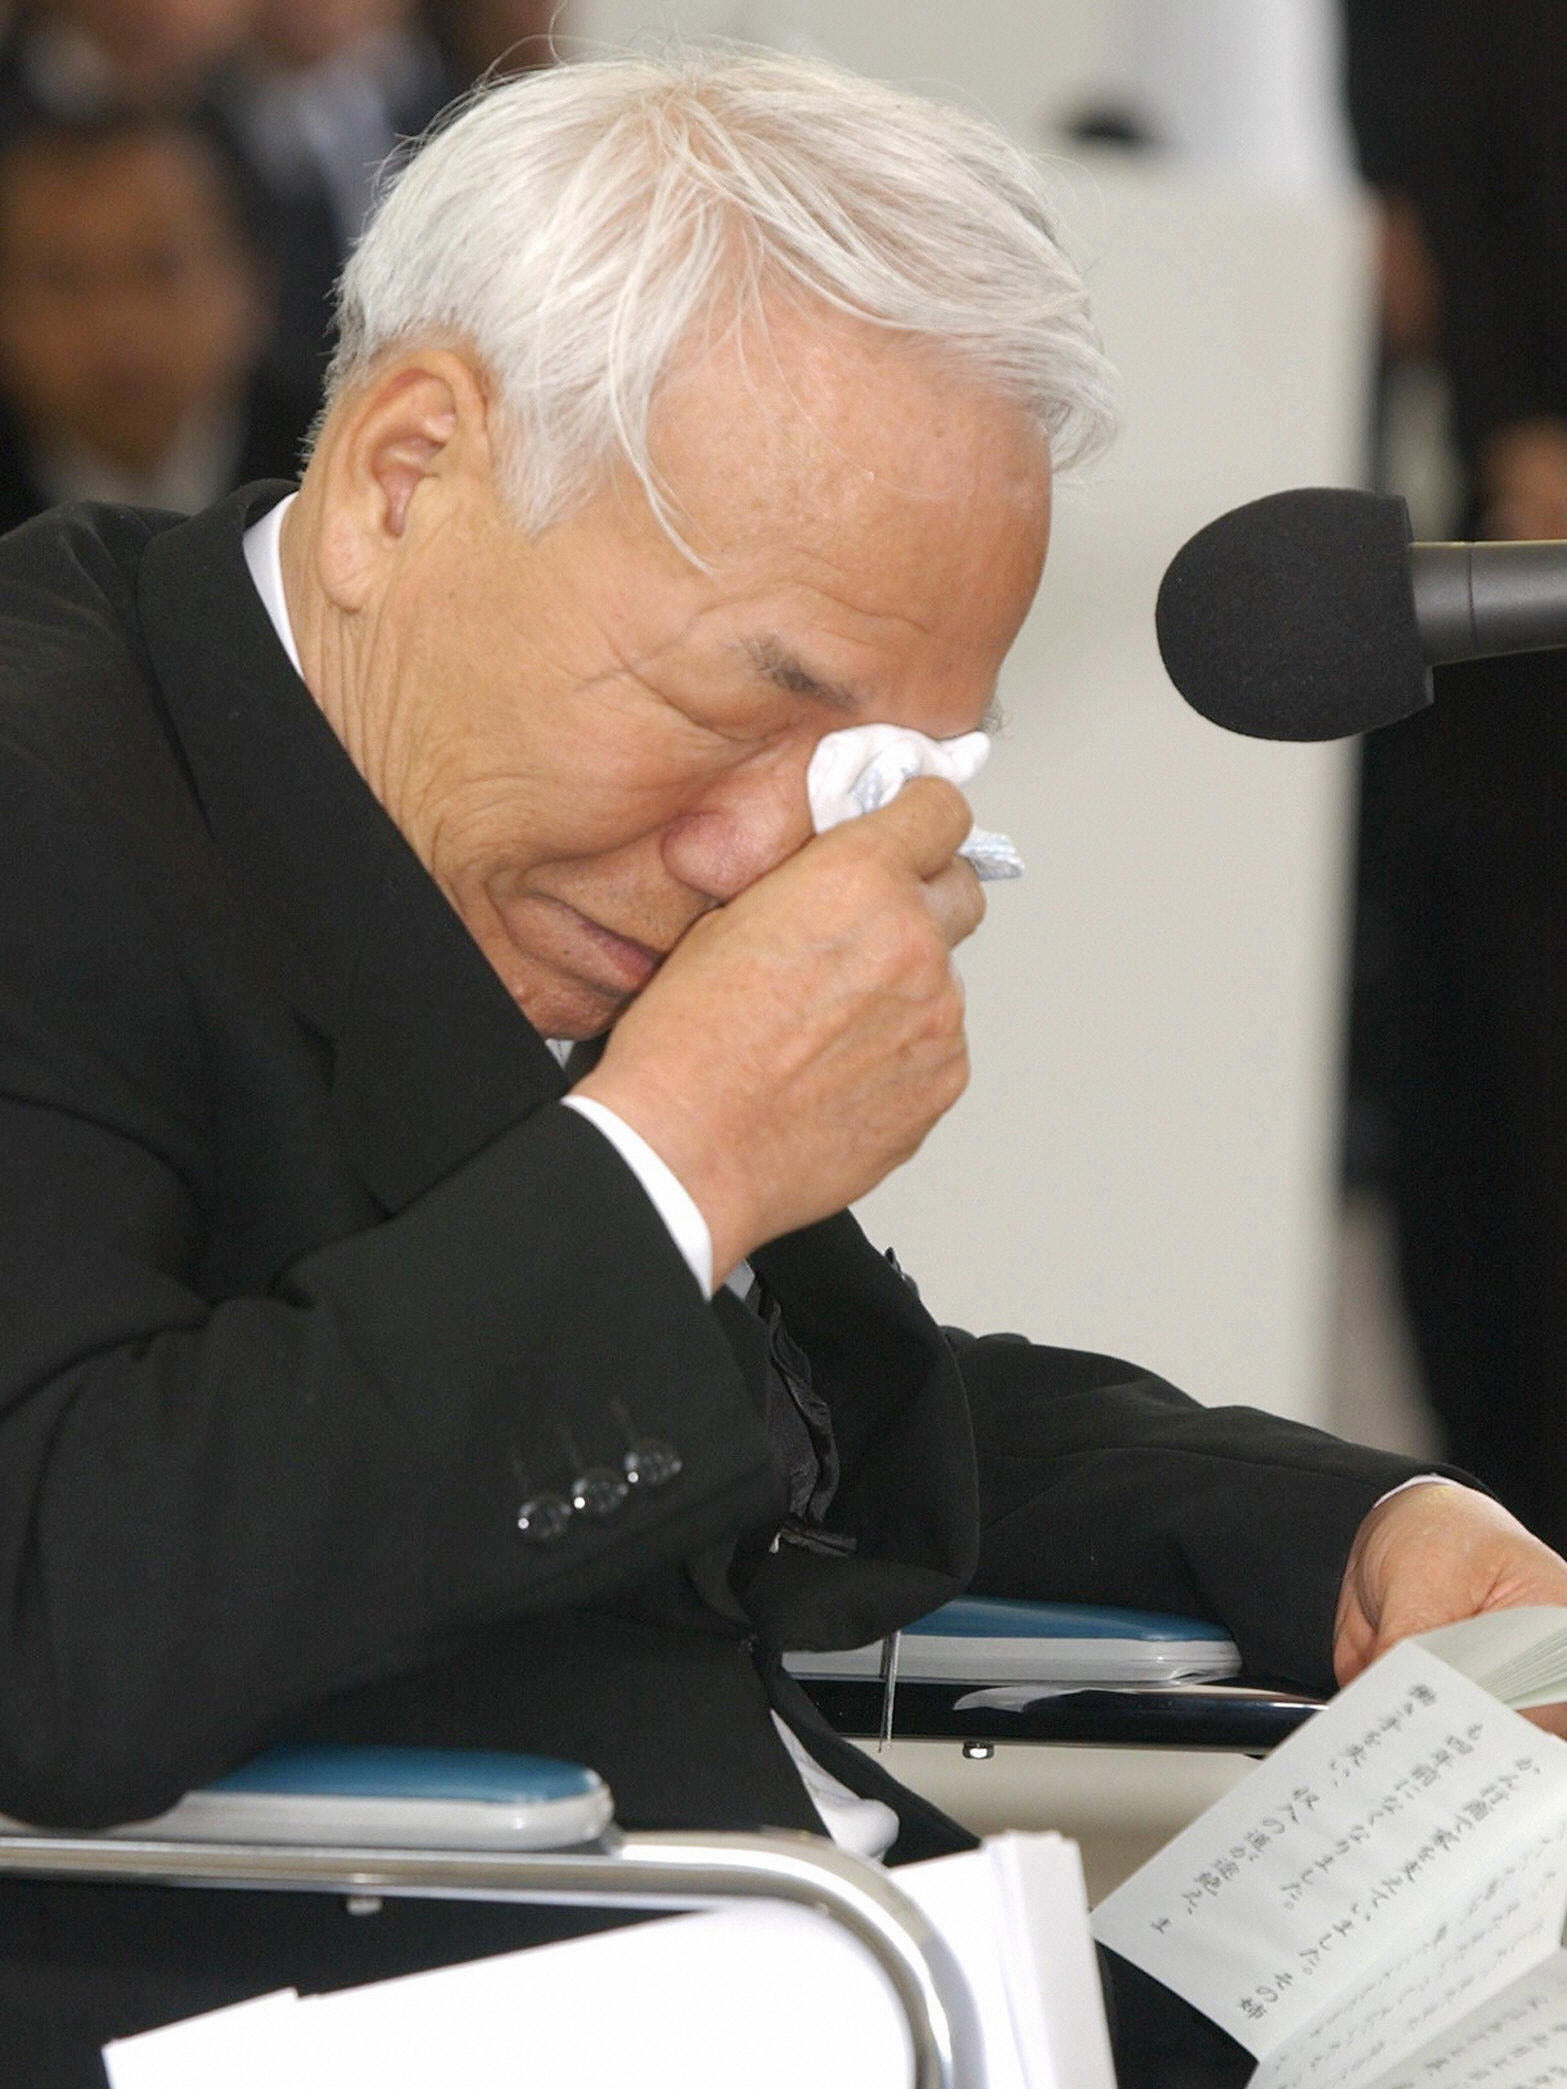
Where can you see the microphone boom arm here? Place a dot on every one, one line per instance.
(1474, 601)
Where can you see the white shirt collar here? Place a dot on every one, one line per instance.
(265, 560)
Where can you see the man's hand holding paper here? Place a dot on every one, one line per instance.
(1395, 1873)
(1431, 1555)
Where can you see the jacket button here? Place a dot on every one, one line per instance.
(651, 1463)
(598, 1492)
(544, 1518)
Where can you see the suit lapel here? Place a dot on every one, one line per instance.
(431, 1058)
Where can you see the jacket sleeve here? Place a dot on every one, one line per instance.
(214, 1512)
(1102, 1484)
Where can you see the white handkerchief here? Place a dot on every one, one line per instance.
(863, 767)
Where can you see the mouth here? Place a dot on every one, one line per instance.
(617, 963)
(633, 963)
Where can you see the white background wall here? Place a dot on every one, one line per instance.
(1245, 87)
(1143, 1163)
(1024, 59)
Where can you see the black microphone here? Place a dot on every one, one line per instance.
(1309, 615)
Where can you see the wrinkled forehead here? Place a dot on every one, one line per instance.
(826, 433)
(848, 462)
(801, 412)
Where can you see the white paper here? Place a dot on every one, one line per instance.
(693, 2001)
(1052, 1973)
(696, 2000)
(1519, 2042)
(1463, 1957)
(1519, 1655)
(1017, 1697)
(247, 2046)
(1019, 1925)
(959, 1895)
(761, 1993)
(1388, 1806)
(1022, 1697)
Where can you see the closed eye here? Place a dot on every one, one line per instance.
(775, 663)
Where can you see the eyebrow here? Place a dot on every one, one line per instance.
(777, 663)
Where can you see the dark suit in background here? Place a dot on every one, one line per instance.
(307, 1283)
(308, 143)
(1463, 989)
(135, 307)
(272, 426)
(303, 139)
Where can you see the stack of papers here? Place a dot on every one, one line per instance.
(759, 1993)
(1518, 1655)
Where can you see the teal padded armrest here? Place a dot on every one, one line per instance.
(980, 1640)
(336, 1769)
(408, 1798)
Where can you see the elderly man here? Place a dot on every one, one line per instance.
(361, 1381)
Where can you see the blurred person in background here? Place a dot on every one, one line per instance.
(322, 92)
(1386, 88)
(480, 37)
(1463, 995)
(307, 97)
(79, 58)
(133, 315)
(1385, 49)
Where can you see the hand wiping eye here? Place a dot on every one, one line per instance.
(861, 768)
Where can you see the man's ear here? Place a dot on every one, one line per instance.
(415, 438)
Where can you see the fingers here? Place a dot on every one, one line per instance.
(922, 827)
(920, 832)
(956, 900)
(1430, 1555)
(917, 835)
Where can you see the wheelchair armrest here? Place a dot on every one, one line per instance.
(1126, 1678)
(993, 1639)
(445, 1798)
(1176, 1715)
(666, 1871)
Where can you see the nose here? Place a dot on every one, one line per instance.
(745, 824)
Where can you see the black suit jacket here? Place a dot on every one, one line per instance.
(308, 1282)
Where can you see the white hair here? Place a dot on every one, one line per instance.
(573, 228)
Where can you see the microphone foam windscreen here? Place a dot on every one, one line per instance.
(1293, 618)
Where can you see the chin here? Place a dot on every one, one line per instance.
(569, 1010)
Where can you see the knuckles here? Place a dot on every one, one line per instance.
(903, 952)
(862, 878)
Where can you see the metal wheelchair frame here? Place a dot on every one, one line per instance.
(653, 1871)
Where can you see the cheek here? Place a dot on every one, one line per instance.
(625, 775)
(614, 802)
(531, 754)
